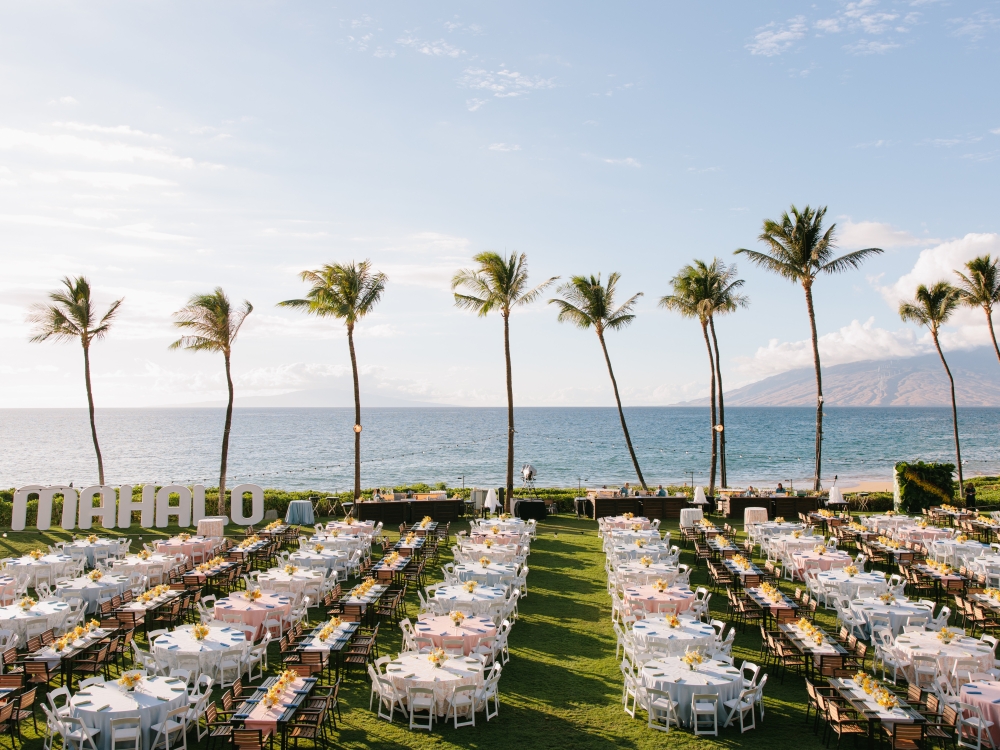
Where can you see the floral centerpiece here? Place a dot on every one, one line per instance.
(61, 644)
(488, 543)
(456, 617)
(890, 512)
(851, 571)
(946, 506)
(885, 698)
(143, 554)
(993, 593)
(945, 636)
(820, 549)
(921, 524)
(93, 625)
(391, 558)
(291, 569)
(645, 561)
(693, 659)
(248, 542)
(660, 585)
(363, 588)
(810, 631)
(335, 622)
(640, 543)
(770, 592)
(92, 538)
(484, 561)
(887, 598)
(254, 595)
(95, 575)
(437, 657)
(672, 621)
(987, 520)
(779, 519)
(495, 529)
(37, 554)
(334, 533)
(796, 534)
(272, 526)
(637, 527)
(469, 586)
(427, 520)
(410, 538)
(26, 603)
(317, 548)
(825, 513)
(130, 680)
(628, 516)
(962, 538)
(855, 526)
(78, 632)
(740, 562)
(183, 536)
(200, 632)
(349, 520)
(504, 516)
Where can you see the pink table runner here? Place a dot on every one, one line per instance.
(649, 598)
(472, 630)
(265, 718)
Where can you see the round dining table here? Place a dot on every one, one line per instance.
(496, 553)
(985, 695)
(472, 630)
(515, 525)
(134, 563)
(479, 536)
(962, 647)
(848, 585)
(634, 552)
(898, 612)
(480, 602)
(633, 570)
(52, 612)
(92, 591)
(827, 560)
(296, 582)
(358, 527)
(237, 605)
(675, 677)
(327, 558)
(619, 522)
(416, 670)
(655, 633)
(187, 547)
(179, 648)
(650, 598)
(85, 548)
(492, 574)
(152, 699)
(47, 567)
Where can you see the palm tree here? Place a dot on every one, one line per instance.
(932, 308)
(213, 326)
(981, 288)
(348, 292)
(694, 289)
(799, 250)
(499, 283)
(72, 316)
(587, 303)
(725, 298)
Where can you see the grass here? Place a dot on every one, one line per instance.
(562, 687)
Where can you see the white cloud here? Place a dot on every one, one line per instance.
(440, 48)
(475, 104)
(852, 343)
(503, 83)
(110, 130)
(855, 235)
(627, 162)
(66, 100)
(773, 39)
(871, 47)
(115, 180)
(976, 26)
(74, 146)
(939, 263)
(504, 147)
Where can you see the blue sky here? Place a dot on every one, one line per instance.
(166, 148)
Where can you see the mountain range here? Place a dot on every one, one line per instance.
(913, 381)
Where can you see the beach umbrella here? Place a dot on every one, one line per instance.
(491, 500)
(836, 497)
(699, 496)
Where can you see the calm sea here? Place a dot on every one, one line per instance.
(314, 448)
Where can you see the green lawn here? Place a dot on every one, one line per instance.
(562, 687)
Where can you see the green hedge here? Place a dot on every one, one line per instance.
(923, 485)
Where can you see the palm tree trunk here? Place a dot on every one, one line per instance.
(993, 335)
(357, 414)
(715, 434)
(509, 501)
(225, 442)
(819, 387)
(722, 409)
(90, 405)
(954, 414)
(621, 414)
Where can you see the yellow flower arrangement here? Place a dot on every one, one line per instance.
(504, 516)
(855, 526)
(272, 526)
(271, 697)
(363, 588)
(820, 549)
(349, 520)
(639, 543)
(290, 569)
(887, 598)
(825, 514)
(60, 644)
(200, 632)
(437, 657)
(885, 698)
(183, 536)
(921, 524)
(672, 621)
(660, 585)
(92, 538)
(693, 659)
(851, 570)
(796, 534)
(779, 519)
(93, 625)
(426, 522)
(890, 512)
(637, 527)
(335, 622)
(740, 562)
(456, 617)
(469, 586)
(770, 592)
(78, 632)
(130, 680)
(391, 558)
(986, 520)
(628, 516)
(962, 538)
(317, 548)
(143, 554)
(495, 529)
(248, 542)
(37, 554)
(488, 543)
(95, 575)
(993, 593)
(27, 603)
(945, 636)
(645, 561)
(887, 542)
(254, 595)
(484, 561)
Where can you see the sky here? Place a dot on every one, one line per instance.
(163, 149)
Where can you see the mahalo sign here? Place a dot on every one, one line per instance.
(115, 508)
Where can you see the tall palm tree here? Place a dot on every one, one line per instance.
(981, 288)
(348, 292)
(499, 282)
(725, 298)
(932, 308)
(799, 250)
(72, 316)
(693, 293)
(589, 304)
(213, 325)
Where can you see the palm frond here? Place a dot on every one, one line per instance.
(849, 261)
(71, 314)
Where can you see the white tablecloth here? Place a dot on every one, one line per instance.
(898, 612)
(675, 677)
(51, 612)
(133, 563)
(690, 515)
(53, 565)
(655, 634)
(82, 546)
(416, 670)
(493, 574)
(839, 581)
(754, 515)
(326, 559)
(179, 648)
(496, 553)
(633, 570)
(481, 602)
(912, 644)
(213, 526)
(277, 580)
(151, 701)
(92, 591)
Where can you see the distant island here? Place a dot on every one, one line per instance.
(914, 381)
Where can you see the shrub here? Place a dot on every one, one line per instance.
(923, 485)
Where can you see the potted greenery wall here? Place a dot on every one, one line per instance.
(922, 485)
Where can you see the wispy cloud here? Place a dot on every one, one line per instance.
(440, 48)
(626, 162)
(110, 130)
(74, 146)
(773, 39)
(504, 147)
(976, 26)
(504, 83)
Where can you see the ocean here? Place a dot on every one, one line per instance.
(313, 448)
